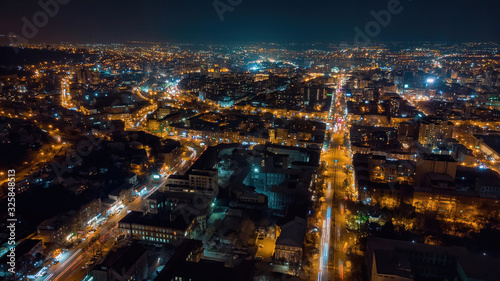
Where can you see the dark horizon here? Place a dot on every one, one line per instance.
(198, 22)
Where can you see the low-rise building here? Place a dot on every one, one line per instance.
(290, 242)
(187, 264)
(407, 261)
(157, 228)
(126, 263)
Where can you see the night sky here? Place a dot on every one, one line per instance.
(196, 21)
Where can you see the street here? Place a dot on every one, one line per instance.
(72, 264)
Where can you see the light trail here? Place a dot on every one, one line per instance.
(63, 265)
(325, 241)
(341, 271)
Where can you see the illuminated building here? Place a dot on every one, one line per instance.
(407, 261)
(432, 132)
(156, 228)
(194, 181)
(290, 242)
(489, 145)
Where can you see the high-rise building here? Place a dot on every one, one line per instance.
(432, 131)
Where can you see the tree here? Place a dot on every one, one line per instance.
(125, 195)
(210, 232)
(346, 184)
(265, 222)
(247, 229)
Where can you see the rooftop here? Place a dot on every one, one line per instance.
(293, 233)
(159, 220)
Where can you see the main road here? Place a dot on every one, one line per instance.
(71, 265)
(333, 259)
(333, 212)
